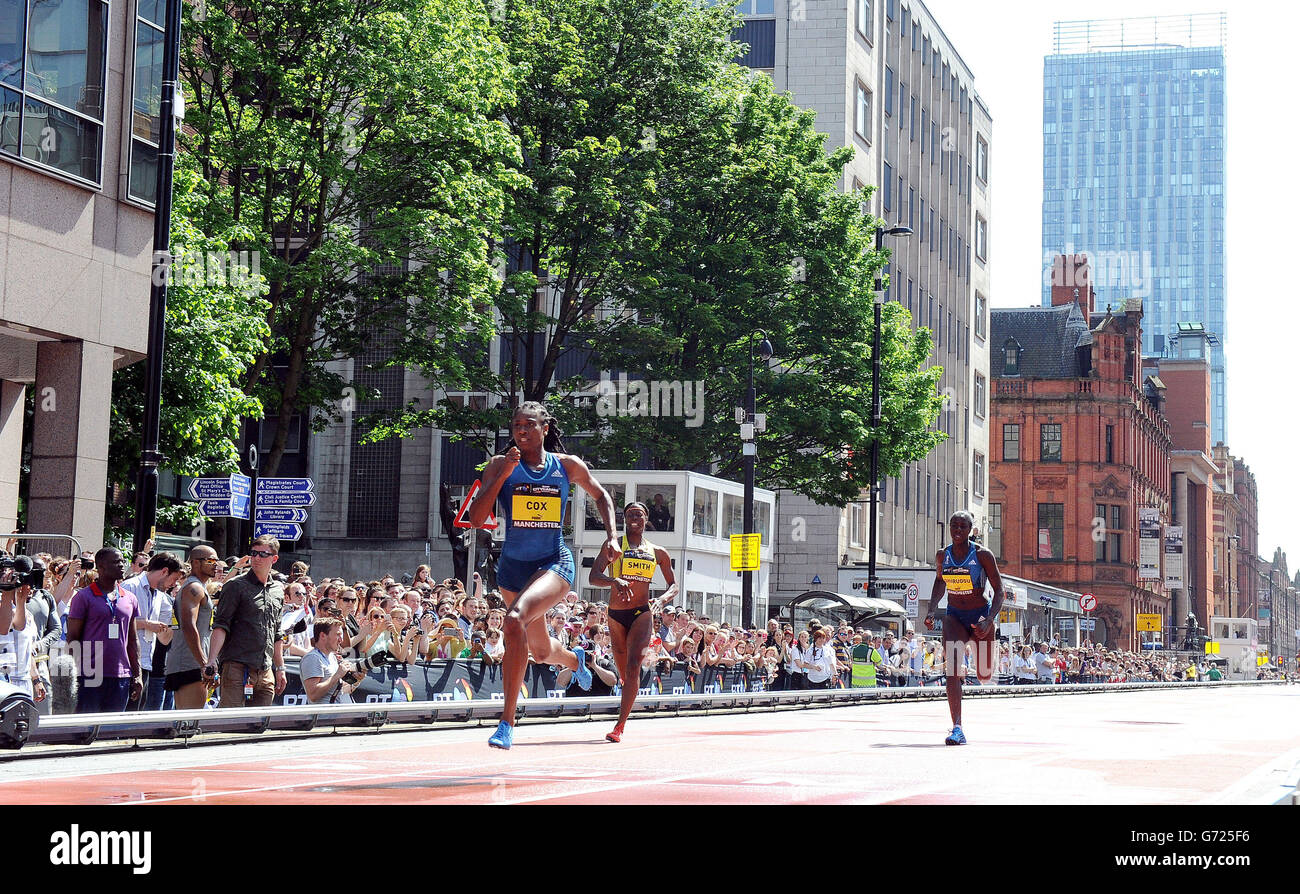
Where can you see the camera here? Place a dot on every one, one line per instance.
(379, 659)
(26, 572)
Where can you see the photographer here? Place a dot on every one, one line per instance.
(321, 670)
(478, 648)
(603, 676)
(18, 635)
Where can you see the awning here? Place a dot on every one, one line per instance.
(859, 609)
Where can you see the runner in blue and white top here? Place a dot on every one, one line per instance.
(535, 571)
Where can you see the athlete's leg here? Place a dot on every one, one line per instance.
(955, 637)
(985, 657)
(543, 590)
(633, 646)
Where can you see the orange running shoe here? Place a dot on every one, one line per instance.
(616, 734)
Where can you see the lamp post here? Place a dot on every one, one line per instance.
(748, 430)
(146, 492)
(881, 233)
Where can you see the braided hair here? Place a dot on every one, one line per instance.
(552, 442)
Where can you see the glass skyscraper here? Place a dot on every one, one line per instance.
(1133, 171)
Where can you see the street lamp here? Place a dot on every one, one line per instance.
(881, 233)
(748, 431)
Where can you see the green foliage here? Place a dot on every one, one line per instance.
(357, 144)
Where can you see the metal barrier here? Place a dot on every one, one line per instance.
(83, 729)
(24, 537)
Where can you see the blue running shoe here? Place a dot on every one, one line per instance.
(956, 737)
(583, 673)
(503, 738)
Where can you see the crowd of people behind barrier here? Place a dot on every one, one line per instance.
(418, 618)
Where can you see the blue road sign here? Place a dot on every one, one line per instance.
(278, 531)
(221, 488)
(265, 514)
(284, 486)
(285, 499)
(233, 507)
(241, 484)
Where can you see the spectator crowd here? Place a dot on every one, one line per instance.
(127, 639)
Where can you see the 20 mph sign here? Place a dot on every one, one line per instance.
(1088, 602)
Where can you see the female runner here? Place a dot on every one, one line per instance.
(630, 611)
(535, 570)
(962, 569)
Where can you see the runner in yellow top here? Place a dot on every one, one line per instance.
(630, 612)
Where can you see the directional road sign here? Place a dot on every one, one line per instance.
(220, 488)
(284, 486)
(278, 531)
(235, 506)
(284, 516)
(285, 499)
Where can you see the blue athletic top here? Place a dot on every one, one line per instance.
(964, 578)
(533, 506)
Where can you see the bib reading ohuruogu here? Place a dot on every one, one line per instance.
(636, 563)
(964, 578)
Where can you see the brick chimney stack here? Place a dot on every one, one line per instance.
(1072, 283)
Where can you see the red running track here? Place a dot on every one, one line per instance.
(1231, 745)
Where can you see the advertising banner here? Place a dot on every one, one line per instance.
(1148, 544)
(1174, 557)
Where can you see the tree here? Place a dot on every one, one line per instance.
(214, 328)
(355, 146)
(675, 203)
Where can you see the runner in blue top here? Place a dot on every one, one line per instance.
(962, 570)
(535, 570)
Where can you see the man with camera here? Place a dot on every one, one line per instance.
(325, 678)
(149, 588)
(246, 632)
(101, 622)
(19, 629)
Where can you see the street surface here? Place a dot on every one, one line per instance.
(1231, 745)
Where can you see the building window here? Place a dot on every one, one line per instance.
(1051, 530)
(981, 159)
(855, 524)
(979, 474)
(704, 516)
(981, 312)
(1011, 358)
(995, 529)
(756, 7)
(889, 187)
(53, 56)
(981, 238)
(980, 388)
(865, 19)
(146, 101)
(889, 92)
(1110, 443)
(862, 119)
(1011, 441)
(1050, 442)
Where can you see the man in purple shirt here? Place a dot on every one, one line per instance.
(101, 622)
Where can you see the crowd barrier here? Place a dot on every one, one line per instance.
(468, 680)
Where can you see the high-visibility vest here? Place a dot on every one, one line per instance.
(863, 675)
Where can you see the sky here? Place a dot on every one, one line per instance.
(1004, 42)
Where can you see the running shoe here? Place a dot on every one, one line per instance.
(956, 737)
(583, 673)
(503, 738)
(615, 735)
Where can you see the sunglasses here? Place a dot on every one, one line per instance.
(261, 555)
(346, 599)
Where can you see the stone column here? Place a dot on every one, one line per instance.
(11, 452)
(74, 388)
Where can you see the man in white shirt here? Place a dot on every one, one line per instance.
(149, 587)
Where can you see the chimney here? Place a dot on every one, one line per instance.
(1072, 283)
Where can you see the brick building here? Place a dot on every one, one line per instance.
(1079, 444)
(1236, 532)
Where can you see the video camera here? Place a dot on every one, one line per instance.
(21, 571)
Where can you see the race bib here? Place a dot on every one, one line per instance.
(958, 581)
(638, 569)
(535, 511)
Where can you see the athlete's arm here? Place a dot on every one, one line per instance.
(665, 563)
(936, 591)
(990, 566)
(580, 475)
(599, 578)
(498, 470)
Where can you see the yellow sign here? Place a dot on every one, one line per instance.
(1007, 616)
(1211, 648)
(1262, 659)
(1148, 622)
(744, 551)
